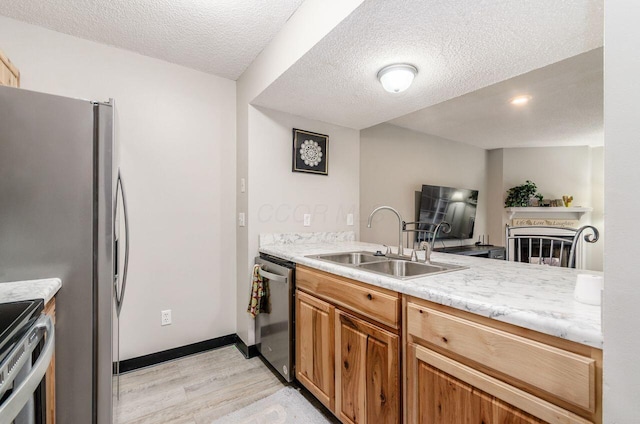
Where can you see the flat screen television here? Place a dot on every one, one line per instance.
(457, 206)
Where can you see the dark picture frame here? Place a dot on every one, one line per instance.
(310, 152)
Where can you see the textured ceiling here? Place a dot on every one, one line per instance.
(221, 37)
(459, 46)
(566, 109)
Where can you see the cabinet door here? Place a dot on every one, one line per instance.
(442, 399)
(315, 347)
(508, 414)
(436, 396)
(367, 372)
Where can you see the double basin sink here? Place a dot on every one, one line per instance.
(392, 266)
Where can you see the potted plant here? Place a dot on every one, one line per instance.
(522, 195)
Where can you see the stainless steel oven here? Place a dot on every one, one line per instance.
(275, 328)
(27, 341)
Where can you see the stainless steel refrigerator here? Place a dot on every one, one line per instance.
(58, 191)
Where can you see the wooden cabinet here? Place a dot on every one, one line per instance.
(367, 372)
(50, 376)
(461, 368)
(348, 346)
(457, 367)
(315, 347)
(9, 74)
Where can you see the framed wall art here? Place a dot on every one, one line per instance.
(310, 152)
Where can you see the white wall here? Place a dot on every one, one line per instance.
(309, 24)
(622, 175)
(595, 253)
(278, 197)
(395, 162)
(176, 129)
(555, 170)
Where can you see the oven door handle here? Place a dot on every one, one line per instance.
(12, 406)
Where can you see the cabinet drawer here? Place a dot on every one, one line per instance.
(375, 303)
(565, 375)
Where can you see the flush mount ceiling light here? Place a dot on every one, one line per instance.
(520, 100)
(397, 78)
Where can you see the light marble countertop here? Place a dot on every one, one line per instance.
(536, 297)
(31, 289)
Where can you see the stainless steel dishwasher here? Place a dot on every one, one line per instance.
(275, 328)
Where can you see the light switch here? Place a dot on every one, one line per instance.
(243, 185)
(241, 220)
(349, 219)
(307, 220)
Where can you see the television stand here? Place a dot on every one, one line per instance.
(481, 251)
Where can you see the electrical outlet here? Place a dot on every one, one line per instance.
(165, 317)
(349, 219)
(307, 220)
(243, 185)
(241, 219)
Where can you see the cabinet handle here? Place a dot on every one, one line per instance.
(369, 296)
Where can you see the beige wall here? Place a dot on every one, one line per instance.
(176, 130)
(622, 250)
(496, 195)
(395, 162)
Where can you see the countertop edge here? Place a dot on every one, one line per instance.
(45, 289)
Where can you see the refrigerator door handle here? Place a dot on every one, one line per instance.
(119, 290)
(120, 294)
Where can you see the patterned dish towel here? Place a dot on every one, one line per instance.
(259, 301)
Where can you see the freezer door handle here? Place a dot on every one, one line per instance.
(12, 406)
(119, 291)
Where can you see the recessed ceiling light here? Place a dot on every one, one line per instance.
(520, 100)
(397, 78)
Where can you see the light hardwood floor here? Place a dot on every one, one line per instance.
(193, 390)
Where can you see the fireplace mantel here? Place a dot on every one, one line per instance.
(548, 212)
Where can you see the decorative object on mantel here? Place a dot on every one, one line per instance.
(573, 212)
(567, 200)
(310, 152)
(545, 222)
(523, 195)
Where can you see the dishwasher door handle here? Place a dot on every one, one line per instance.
(272, 277)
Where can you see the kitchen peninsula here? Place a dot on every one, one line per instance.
(498, 338)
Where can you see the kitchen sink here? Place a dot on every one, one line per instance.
(385, 265)
(351, 258)
(407, 269)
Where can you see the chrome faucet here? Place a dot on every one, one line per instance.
(426, 246)
(400, 250)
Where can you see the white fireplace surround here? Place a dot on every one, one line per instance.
(548, 212)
